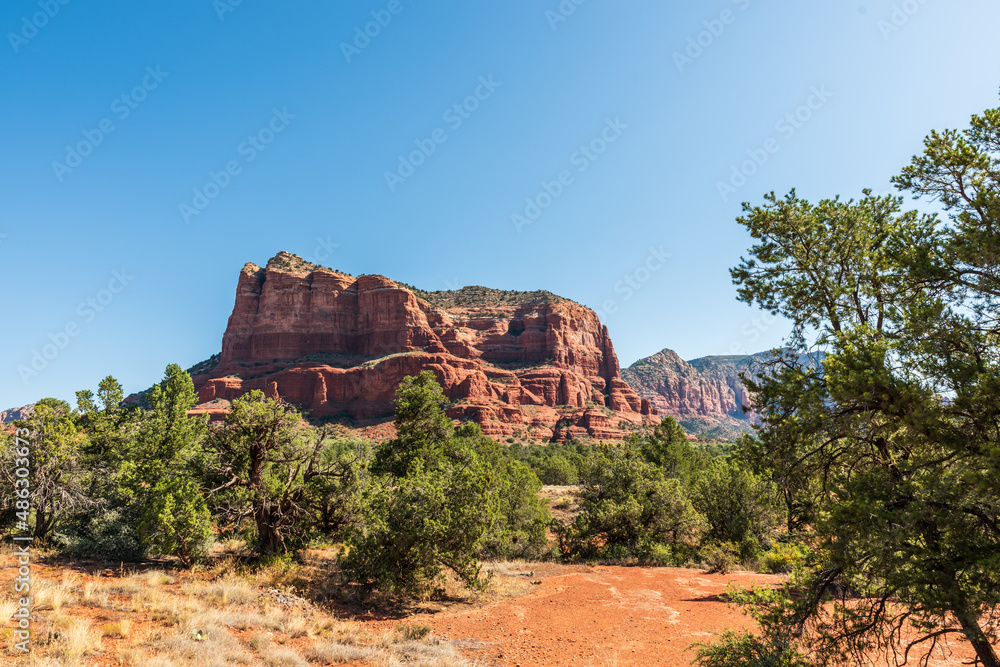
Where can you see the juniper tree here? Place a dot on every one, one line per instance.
(56, 484)
(439, 498)
(890, 441)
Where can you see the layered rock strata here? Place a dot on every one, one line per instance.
(334, 344)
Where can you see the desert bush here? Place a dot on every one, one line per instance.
(292, 484)
(663, 555)
(720, 557)
(57, 475)
(440, 497)
(256, 462)
(336, 496)
(334, 653)
(413, 632)
(743, 649)
(553, 463)
(628, 506)
(668, 448)
(740, 507)
(176, 521)
(784, 557)
(107, 534)
(519, 530)
(126, 450)
(615, 553)
(557, 470)
(419, 524)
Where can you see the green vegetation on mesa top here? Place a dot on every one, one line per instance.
(476, 296)
(472, 296)
(286, 261)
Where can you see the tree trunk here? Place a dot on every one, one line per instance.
(269, 540)
(789, 511)
(970, 626)
(43, 523)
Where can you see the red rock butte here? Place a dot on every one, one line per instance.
(335, 345)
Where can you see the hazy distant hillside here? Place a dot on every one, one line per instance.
(15, 413)
(705, 395)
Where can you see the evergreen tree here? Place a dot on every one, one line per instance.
(890, 441)
(57, 481)
(630, 508)
(439, 499)
(668, 447)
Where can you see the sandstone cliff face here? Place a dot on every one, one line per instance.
(705, 395)
(334, 344)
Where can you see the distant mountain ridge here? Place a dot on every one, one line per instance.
(14, 414)
(705, 395)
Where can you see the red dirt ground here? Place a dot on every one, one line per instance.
(605, 615)
(551, 614)
(600, 615)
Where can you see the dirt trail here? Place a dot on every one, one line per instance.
(603, 616)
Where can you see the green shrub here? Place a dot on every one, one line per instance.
(557, 470)
(417, 525)
(661, 555)
(743, 649)
(741, 507)
(615, 552)
(720, 557)
(176, 522)
(108, 534)
(519, 531)
(440, 497)
(668, 448)
(784, 557)
(627, 501)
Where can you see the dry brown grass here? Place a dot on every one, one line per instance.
(397, 650)
(258, 642)
(282, 657)
(154, 578)
(7, 608)
(228, 591)
(334, 653)
(74, 638)
(50, 595)
(120, 629)
(223, 614)
(203, 644)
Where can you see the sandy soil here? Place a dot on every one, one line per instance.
(606, 615)
(600, 615)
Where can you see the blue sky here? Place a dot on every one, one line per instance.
(618, 121)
